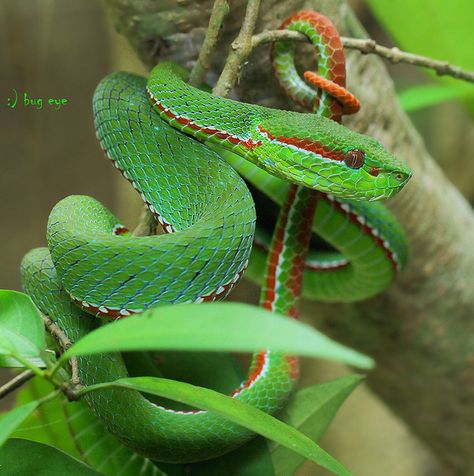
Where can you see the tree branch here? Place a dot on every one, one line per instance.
(369, 46)
(219, 11)
(240, 50)
(16, 382)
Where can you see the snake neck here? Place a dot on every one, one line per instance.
(304, 149)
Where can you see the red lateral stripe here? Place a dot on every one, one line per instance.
(275, 252)
(294, 368)
(102, 311)
(260, 362)
(210, 131)
(119, 230)
(342, 97)
(302, 239)
(366, 229)
(225, 289)
(306, 144)
(308, 265)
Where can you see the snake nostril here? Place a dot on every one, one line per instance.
(374, 171)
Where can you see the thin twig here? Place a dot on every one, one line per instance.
(218, 14)
(368, 46)
(240, 50)
(64, 342)
(16, 382)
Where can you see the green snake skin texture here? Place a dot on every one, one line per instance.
(174, 143)
(261, 135)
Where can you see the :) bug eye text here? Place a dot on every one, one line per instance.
(25, 100)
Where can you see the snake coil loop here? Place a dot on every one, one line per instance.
(197, 196)
(330, 98)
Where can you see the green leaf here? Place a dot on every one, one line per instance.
(48, 424)
(233, 410)
(21, 328)
(24, 458)
(11, 420)
(97, 445)
(418, 97)
(447, 36)
(311, 410)
(221, 373)
(214, 327)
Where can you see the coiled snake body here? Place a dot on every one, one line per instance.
(209, 219)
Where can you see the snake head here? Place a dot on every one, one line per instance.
(318, 153)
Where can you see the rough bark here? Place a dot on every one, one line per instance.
(421, 330)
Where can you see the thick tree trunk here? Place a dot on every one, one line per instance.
(421, 330)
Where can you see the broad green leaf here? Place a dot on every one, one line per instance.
(13, 419)
(311, 411)
(418, 97)
(221, 373)
(48, 423)
(233, 410)
(102, 451)
(215, 370)
(214, 327)
(25, 458)
(447, 36)
(38, 361)
(21, 328)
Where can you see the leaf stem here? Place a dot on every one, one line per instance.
(49, 397)
(27, 364)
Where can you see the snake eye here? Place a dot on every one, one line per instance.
(354, 159)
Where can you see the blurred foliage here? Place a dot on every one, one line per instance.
(21, 328)
(42, 460)
(47, 424)
(439, 29)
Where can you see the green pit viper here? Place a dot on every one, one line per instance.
(169, 139)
